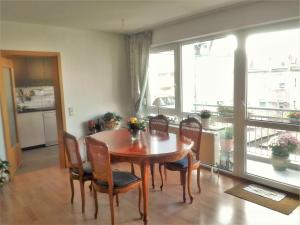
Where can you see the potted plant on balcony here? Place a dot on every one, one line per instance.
(225, 111)
(281, 147)
(111, 120)
(205, 116)
(134, 127)
(4, 172)
(294, 117)
(226, 139)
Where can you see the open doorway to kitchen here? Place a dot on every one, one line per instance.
(39, 109)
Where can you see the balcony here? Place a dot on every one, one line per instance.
(258, 154)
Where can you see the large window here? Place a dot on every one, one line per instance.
(161, 92)
(207, 74)
(273, 105)
(274, 76)
(250, 81)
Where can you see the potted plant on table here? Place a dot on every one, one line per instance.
(294, 117)
(135, 126)
(4, 172)
(205, 116)
(281, 147)
(226, 139)
(111, 120)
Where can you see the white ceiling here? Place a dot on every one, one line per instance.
(114, 16)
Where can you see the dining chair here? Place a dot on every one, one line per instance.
(189, 128)
(159, 123)
(77, 169)
(107, 181)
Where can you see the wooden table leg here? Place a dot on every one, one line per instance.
(190, 159)
(145, 166)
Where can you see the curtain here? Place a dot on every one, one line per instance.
(138, 49)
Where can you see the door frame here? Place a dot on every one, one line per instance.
(58, 92)
(13, 153)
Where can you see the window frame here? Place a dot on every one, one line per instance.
(165, 110)
(200, 39)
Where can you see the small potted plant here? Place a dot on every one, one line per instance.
(135, 126)
(205, 116)
(111, 120)
(281, 147)
(294, 117)
(4, 172)
(226, 139)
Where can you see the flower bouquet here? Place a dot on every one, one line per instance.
(134, 126)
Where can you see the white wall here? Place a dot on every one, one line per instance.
(94, 70)
(229, 19)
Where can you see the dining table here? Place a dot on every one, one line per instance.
(154, 147)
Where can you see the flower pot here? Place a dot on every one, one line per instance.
(135, 135)
(226, 144)
(205, 122)
(109, 125)
(295, 121)
(279, 163)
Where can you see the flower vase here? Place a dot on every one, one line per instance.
(134, 135)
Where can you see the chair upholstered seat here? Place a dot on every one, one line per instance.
(120, 179)
(87, 168)
(182, 163)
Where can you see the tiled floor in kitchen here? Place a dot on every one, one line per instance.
(39, 158)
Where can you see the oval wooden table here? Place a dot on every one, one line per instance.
(150, 148)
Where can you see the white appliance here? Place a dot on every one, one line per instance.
(50, 127)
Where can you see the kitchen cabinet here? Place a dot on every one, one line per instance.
(50, 127)
(37, 128)
(34, 71)
(31, 129)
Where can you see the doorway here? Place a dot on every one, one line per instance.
(38, 110)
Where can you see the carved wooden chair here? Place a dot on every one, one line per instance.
(107, 181)
(158, 123)
(189, 128)
(78, 170)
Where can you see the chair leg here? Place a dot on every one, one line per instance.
(183, 182)
(132, 168)
(161, 176)
(152, 174)
(91, 186)
(111, 204)
(165, 172)
(198, 180)
(117, 200)
(72, 189)
(181, 177)
(82, 195)
(96, 203)
(140, 201)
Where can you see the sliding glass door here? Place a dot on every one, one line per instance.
(273, 107)
(207, 80)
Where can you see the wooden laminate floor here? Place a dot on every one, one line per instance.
(43, 197)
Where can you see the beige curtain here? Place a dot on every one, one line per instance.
(138, 49)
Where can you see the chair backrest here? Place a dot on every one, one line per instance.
(191, 128)
(159, 123)
(100, 160)
(72, 151)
